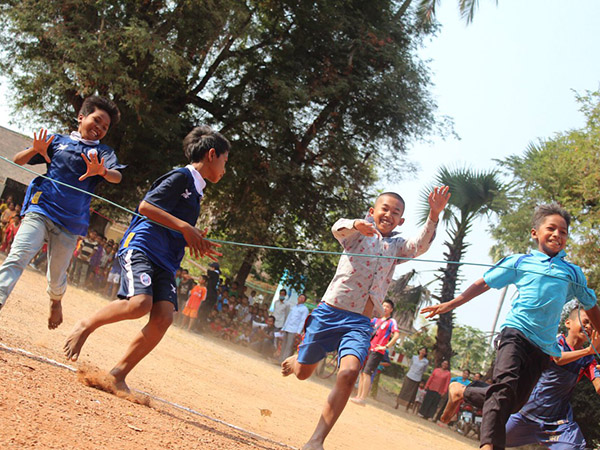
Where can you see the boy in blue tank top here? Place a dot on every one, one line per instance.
(150, 253)
(545, 282)
(55, 213)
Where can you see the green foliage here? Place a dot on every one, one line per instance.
(471, 351)
(586, 410)
(318, 98)
(563, 169)
(422, 338)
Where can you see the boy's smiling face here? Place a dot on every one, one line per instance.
(551, 235)
(214, 165)
(94, 126)
(387, 213)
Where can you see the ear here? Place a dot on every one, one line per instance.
(534, 234)
(401, 221)
(371, 211)
(80, 118)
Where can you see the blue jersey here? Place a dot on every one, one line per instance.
(63, 205)
(461, 380)
(550, 400)
(537, 309)
(179, 193)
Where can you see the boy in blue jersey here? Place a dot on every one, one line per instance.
(57, 214)
(528, 335)
(547, 417)
(150, 253)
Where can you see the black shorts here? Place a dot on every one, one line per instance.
(373, 361)
(139, 275)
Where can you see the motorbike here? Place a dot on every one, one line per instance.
(469, 420)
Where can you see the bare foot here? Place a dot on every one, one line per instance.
(455, 395)
(55, 318)
(75, 341)
(358, 401)
(287, 366)
(311, 445)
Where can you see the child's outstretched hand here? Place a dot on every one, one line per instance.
(93, 167)
(438, 199)
(41, 144)
(366, 228)
(595, 347)
(436, 310)
(199, 245)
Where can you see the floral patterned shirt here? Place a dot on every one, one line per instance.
(357, 278)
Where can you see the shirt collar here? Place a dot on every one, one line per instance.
(76, 136)
(199, 182)
(544, 257)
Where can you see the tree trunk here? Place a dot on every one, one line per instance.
(244, 270)
(443, 346)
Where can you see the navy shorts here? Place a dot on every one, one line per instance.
(564, 436)
(139, 275)
(328, 329)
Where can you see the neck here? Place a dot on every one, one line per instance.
(574, 342)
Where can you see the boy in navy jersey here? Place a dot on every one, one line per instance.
(547, 417)
(57, 214)
(150, 253)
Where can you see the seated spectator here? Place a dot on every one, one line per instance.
(265, 338)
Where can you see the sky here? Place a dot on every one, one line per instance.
(506, 80)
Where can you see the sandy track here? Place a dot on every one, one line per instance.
(43, 406)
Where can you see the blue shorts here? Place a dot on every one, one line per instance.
(522, 431)
(139, 275)
(328, 329)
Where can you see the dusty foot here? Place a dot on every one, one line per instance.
(358, 401)
(311, 445)
(75, 341)
(287, 366)
(55, 318)
(455, 395)
(120, 385)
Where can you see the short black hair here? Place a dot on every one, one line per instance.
(282, 290)
(392, 194)
(389, 302)
(200, 140)
(551, 209)
(93, 102)
(467, 370)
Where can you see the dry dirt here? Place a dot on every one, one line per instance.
(218, 396)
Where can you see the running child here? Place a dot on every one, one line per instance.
(342, 321)
(547, 417)
(57, 214)
(528, 335)
(150, 253)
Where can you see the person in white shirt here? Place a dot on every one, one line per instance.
(281, 309)
(293, 326)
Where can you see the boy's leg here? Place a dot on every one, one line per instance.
(116, 311)
(338, 397)
(28, 241)
(61, 244)
(161, 318)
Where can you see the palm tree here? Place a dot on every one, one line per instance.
(474, 194)
(426, 9)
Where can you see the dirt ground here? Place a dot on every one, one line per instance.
(217, 396)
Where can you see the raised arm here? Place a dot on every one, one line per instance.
(40, 145)
(569, 357)
(477, 288)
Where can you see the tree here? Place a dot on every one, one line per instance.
(408, 300)
(317, 97)
(474, 194)
(466, 8)
(471, 350)
(564, 169)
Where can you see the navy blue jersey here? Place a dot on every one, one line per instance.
(550, 401)
(63, 205)
(179, 194)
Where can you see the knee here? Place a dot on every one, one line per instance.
(348, 376)
(162, 321)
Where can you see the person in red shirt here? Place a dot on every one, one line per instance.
(384, 337)
(436, 386)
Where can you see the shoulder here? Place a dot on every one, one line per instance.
(105, 149)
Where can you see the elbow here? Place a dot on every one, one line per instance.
(144, 208)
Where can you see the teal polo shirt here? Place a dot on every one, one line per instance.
(545, 285)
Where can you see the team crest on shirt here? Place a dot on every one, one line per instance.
(145, 279)
(186, 194)
(61, 147)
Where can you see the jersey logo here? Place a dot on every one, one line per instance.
(62, 147)
(36, 198)
(186, 194)
(145, 279)
(173, 289)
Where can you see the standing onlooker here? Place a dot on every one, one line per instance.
(384, 338)
(213, 274)
(185, 287)
(293, 326)
(82, 263)
(281, 309)
(9, 234)
(190, 311)
(114, 276)
(436, 386)
(413, 377)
